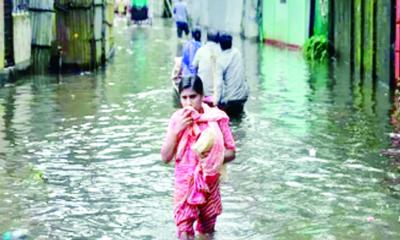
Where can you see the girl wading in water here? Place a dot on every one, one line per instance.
(200, 141)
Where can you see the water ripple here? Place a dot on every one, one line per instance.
(96, 138)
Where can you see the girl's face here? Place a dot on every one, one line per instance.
(191, 98)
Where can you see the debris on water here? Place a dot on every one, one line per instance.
(312, 152)
(370, 218)
(105, 238)
(72, 96)
(15, 235)
(393, 181)
(119, 47)
(85, 73)
(393, 135)
(36, 174)
(391, 152)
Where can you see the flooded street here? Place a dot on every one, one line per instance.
(96, 138)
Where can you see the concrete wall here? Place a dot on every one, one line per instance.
(22, 39)
(109, 34)
(233, 16)
(286, 22)
(251, 22)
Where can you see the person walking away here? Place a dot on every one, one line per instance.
(189, 51)
(232, 89)
(126, 4)
(181, 18)
(119, 7)
(200, 140)
(205, 62)
(139, 11)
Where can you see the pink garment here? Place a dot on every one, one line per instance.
(205, 214)
(209, 100)
(197, 194)
(208, 166)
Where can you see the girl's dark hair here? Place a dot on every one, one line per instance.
(192, 82)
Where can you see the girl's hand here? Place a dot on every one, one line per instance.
(183, 122)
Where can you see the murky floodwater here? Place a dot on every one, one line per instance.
(96, 138)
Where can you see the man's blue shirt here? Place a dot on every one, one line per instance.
(188, 52)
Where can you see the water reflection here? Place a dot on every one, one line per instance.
(96, 136)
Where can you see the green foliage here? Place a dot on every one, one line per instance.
(316, 48)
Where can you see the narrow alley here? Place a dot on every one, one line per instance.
(307, 167)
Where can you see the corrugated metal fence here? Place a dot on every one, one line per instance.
(71, 34)
(362, 36)
(84, 31)
(43, 32)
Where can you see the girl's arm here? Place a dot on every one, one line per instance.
(169, 147)
(229, 142)
(229, 155)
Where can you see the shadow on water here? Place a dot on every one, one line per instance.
(294, 108)
(359, 111)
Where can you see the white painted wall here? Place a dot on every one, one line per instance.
(286, 22)
(233, 16)
(22, 37)
(250, 24)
